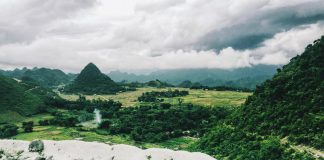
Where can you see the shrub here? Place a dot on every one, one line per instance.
(28, 126)
(36, 146)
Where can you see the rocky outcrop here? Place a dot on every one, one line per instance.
(72, 149)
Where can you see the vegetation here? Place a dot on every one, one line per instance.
(282, 113)
(21, 98)
(92, 81)
(289, 105)
(227, 142)
(160, 123)
(196, 97)
(8, 130)
(154, 95)
(42, 76)
(291, 102)
(28, 126)
(221, 88)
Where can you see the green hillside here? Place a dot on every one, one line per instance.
(287, 107)
(48, 77)
(292, 102)
(18, 99)
(43, 76)
(92, 81)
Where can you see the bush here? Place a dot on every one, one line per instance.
(28, 126)
(8, 130)
(43, 122)
(105, 124)
(36, 146)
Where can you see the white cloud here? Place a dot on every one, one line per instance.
(141, 34)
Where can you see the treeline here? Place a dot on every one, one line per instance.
(83, 104)
(154, 83)
(79, 111)
(155, 96)
(222, 88)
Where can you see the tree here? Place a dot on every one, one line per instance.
(180, 101)
(105, 124)
(28, 126)
(8, 130)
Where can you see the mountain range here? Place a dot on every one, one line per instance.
(247, 77)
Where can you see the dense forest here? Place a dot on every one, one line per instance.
(290, 105)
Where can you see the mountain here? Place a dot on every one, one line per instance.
(48, 77)
(284, 111)
(16, 73)
(92, 81)
(43, 76)
(247, 77)
(19, 99)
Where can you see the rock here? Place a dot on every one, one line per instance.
(36, 146)
(79, 150)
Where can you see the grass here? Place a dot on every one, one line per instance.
(63, 133)
(199, 97)
(10, 116)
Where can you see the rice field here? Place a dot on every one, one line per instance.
(199, 97)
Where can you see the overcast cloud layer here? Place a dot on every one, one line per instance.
(132, 35)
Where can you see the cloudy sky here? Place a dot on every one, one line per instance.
(133, 35)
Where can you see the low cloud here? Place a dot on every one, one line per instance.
(148, 35)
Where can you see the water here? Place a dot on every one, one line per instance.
(97, 115)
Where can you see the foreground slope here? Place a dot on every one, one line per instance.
(69, 150)
(282, 116)
(92, 81)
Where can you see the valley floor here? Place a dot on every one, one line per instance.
(196, 96)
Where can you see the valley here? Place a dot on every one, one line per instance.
(282, 119)
(128, 99)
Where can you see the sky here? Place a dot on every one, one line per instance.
(146, 35)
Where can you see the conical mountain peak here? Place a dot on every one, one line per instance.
(92, 81)
(90, 68)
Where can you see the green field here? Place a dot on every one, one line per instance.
(199, 97)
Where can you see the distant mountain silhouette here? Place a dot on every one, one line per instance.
(92, 81)
(247, 77)
(42, 76)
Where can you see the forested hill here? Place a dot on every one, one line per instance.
(19, 99)
(282, 113)
(43, 76)
(292, 102)
(92, 81)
